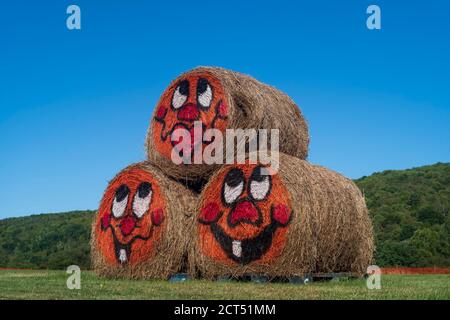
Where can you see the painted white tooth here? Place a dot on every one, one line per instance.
(237, 248)
(122, 255)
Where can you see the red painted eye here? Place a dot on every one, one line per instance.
(157, 217)
(281, 214)
(210, 213)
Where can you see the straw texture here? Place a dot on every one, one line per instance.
(235, 101)
(313, 220)
(143, 225)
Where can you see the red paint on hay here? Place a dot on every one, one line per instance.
(246, 212)
(281, 214)
(105, 220)
(127, 225)
(210, 212)
(161, 113)
(158, 217)
(189, 112)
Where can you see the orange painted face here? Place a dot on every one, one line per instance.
(131, 218)
(197, 97)
(247, 222)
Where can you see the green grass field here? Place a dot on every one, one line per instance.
(42, 284)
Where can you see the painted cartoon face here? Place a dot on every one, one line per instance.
(130, 218)
(196, 97)
(248, 221)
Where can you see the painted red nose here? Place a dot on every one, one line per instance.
(127, 225)
(189, 112)
(244, 212)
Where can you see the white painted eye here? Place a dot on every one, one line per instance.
(120, 201)
(260, 184)
(180, 94)
(204, 93)
(205, 98)
(142, 199)
(178, 99)
(233, 186)
(230, 194)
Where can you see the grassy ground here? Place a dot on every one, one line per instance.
(36, 284)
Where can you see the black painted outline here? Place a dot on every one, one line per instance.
(252, 248)
(173, 93)
(126, 246)
(115, 196)
(252, 179)
(222, 191)
(201, 107)
(136, 193)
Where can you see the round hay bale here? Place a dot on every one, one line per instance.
(302, 219)
(221, 99)
(141, 225)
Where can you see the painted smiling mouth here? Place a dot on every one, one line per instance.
(123, 250)
(247, 250)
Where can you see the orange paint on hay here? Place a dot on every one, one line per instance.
(136, 231)
(277, 198)
(168, 118)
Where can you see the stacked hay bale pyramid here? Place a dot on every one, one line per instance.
(283, 219)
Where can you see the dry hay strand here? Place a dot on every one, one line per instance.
(141, 227)
(222, 99)
(302, 219)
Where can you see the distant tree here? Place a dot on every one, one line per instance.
(430, 215)
(414, 200)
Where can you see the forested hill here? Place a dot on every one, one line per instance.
(410, 210)
(52, 241)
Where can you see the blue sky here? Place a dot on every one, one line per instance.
(75, 105)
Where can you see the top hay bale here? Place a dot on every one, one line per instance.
(221, 99)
